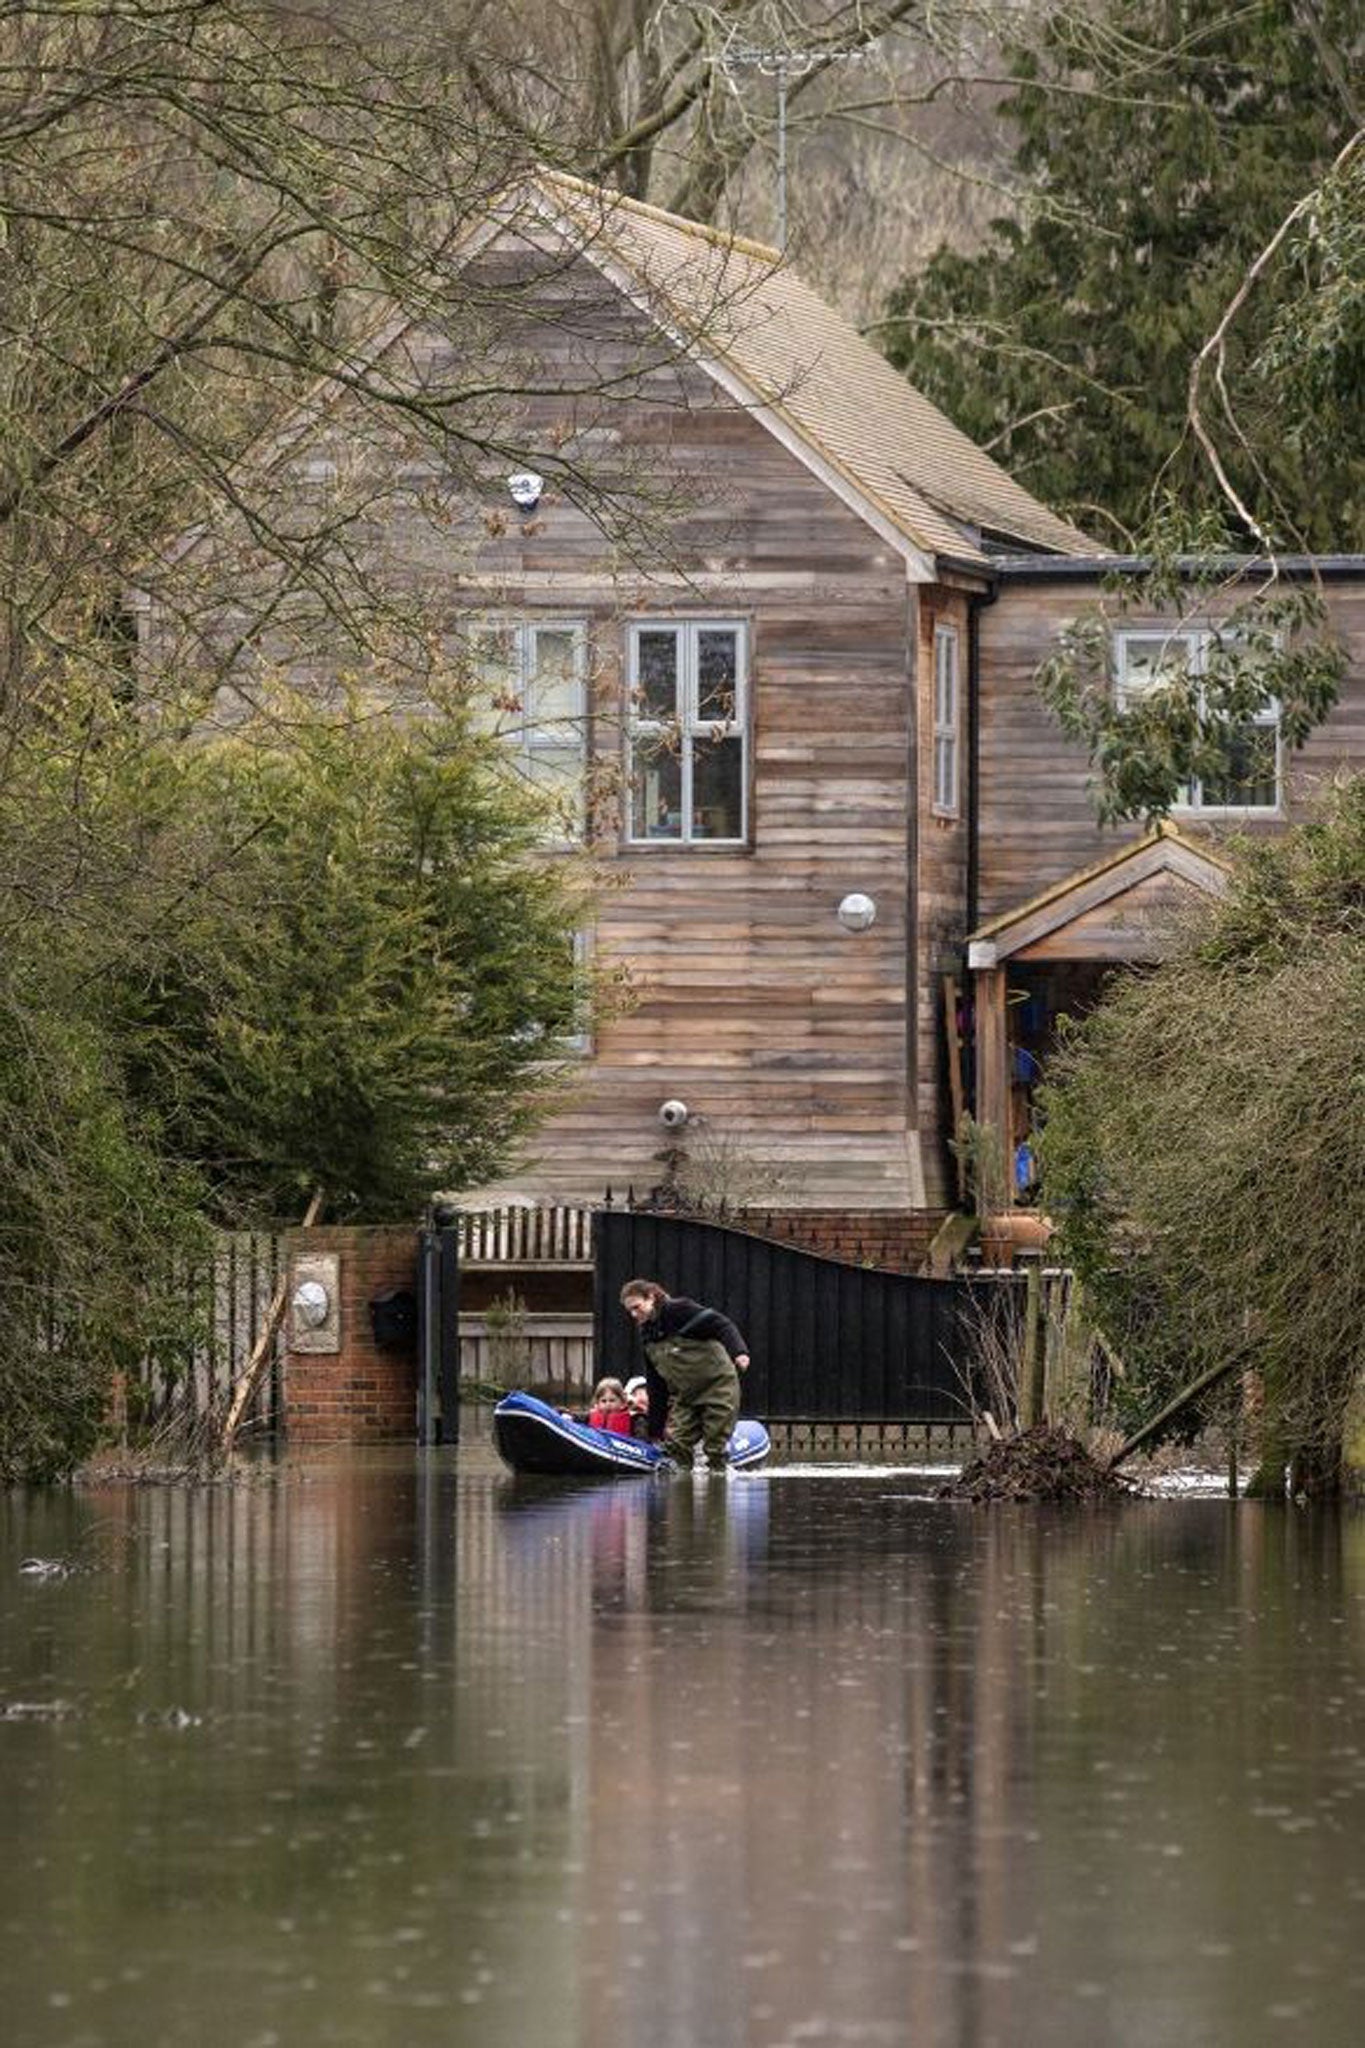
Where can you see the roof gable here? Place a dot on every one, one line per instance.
(1106, 912)
(808, 375)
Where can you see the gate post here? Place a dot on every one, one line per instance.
(438, 1344)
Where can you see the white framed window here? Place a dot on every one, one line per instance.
(581, 1041)
(688, 732)
(575, 985)
(947, 717)
(530, 689)
(1250, 779)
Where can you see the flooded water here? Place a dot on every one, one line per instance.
(391, 1750)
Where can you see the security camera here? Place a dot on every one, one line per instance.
(526, 488)
(673, 1115)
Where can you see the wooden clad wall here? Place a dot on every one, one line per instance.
(941, 889)
(1037, 825)
(784, 1032)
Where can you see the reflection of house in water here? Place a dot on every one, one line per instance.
(412, 1756)
(825, 1724)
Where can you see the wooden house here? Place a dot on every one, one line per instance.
(736, 570)
(1057, 902)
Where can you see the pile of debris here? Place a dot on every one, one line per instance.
(1044, 1463)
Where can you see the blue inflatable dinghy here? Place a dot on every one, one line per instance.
(531, 1436)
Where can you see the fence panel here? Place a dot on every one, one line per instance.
(518, 1234)
(229, 1298)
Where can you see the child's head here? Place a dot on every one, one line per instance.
(609, 1394)
(637, 1393)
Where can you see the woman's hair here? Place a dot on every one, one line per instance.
(607, 1386)
(644, 1290)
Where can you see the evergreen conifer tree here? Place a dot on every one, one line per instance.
(1162, 144)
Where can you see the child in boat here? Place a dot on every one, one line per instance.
(637, 1401)
(610, 1409)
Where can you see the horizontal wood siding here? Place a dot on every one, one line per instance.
(784, 1033)
(1037, 826)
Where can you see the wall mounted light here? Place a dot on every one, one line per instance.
(315, 1302)
(673, 1114)
(856, 912)
(526, 488)
(311, 1304)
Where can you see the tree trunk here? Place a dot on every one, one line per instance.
(1315, 1471)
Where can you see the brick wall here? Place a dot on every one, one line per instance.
(897, 1239)
(359, 1394)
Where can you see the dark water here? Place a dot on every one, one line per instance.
(387, 1751)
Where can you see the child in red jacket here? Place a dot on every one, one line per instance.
(610, 1409)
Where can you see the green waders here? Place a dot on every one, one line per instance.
(703, 1387)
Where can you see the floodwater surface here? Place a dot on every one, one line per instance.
(392, 1749)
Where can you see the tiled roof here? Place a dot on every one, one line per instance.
(805, 365)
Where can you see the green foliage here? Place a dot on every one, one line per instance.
(318, 950)
(93, 1213)
(1314, 352)
(1161, 146)
(374, 996)
(1259, 642)
(1204, 1139)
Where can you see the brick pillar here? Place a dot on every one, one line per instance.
(359, 1394)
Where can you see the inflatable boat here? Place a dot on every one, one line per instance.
(531, 1436)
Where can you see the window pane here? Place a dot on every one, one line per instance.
(656, 682)
(945, 773)
(555, 668)
(945, 679)
(1248, 781)
(717, 674)
(718, 788)
(655, 790)
(495, 682)
(1150, 658)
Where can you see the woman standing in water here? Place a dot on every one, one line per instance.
(698, 1354)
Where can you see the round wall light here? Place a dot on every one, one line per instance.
(311, 1304)
(856, 912)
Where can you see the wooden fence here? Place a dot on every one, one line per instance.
(549, 1355)
(229, 1299)
(517, 1235)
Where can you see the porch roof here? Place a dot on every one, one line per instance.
(1110, 911)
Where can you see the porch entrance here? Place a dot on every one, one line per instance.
(1051, 958)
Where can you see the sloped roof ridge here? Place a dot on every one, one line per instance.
(860, 408)
(1165, 828)
(642, 209)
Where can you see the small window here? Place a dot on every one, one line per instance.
(688, 737)
(531, 690)
(946, 721)
(557, 1039)
(1249, 779)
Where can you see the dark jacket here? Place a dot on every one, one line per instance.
(679, 1316)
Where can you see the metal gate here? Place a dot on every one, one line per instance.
(830, 1342)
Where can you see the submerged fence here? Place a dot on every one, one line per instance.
(227, 1301)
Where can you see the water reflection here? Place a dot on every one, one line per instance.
(395, 1749)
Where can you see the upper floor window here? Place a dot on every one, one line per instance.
(947, 713)
(1248, 777)
(530, 680)
(688, 732)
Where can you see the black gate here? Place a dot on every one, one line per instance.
(830, 1342)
